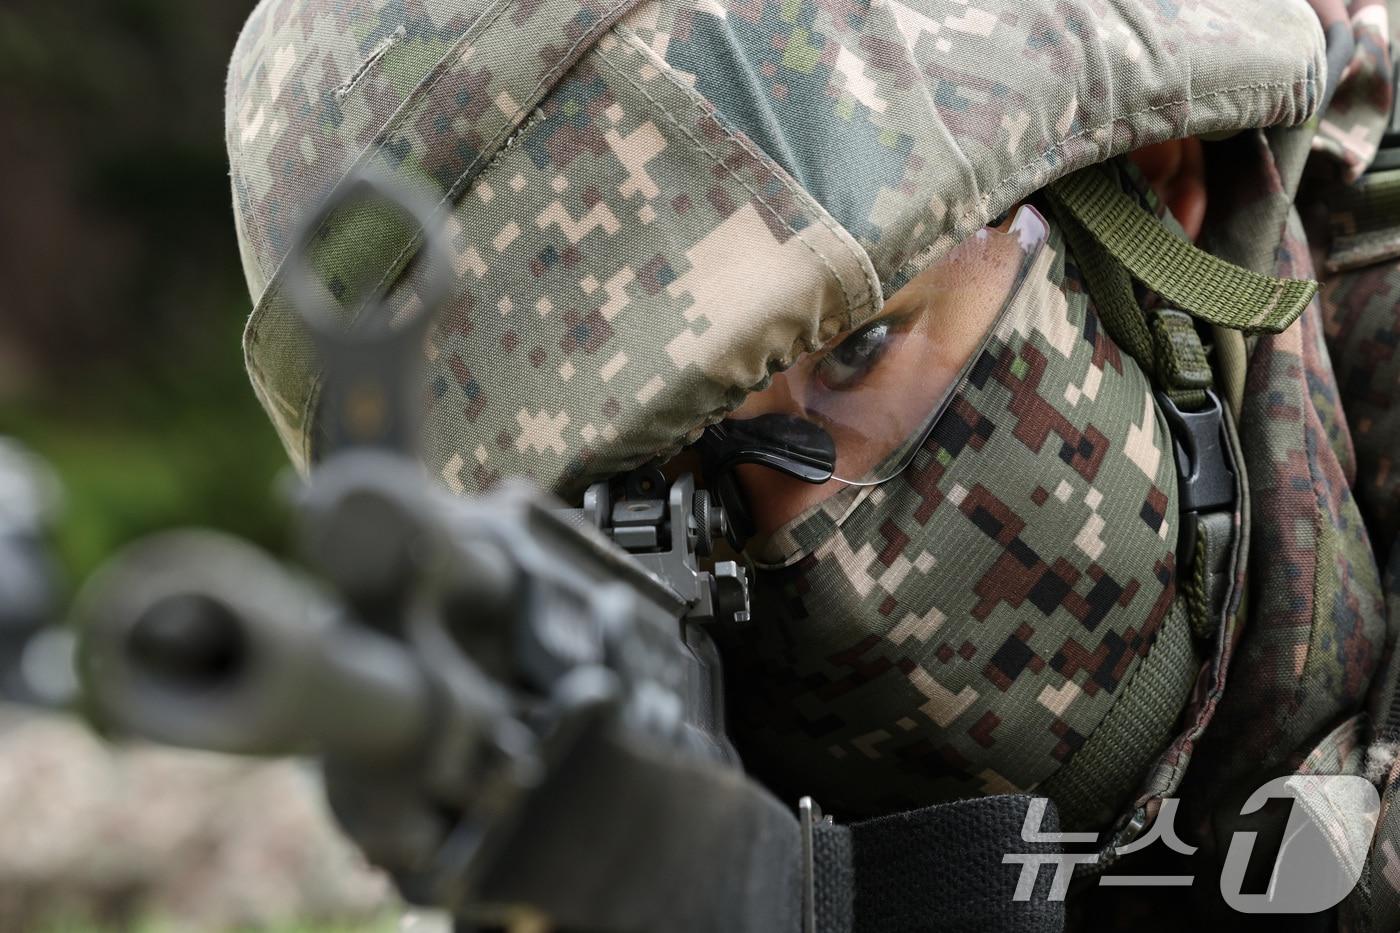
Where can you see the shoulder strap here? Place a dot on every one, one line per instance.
(1204, 286)
(967, 865)
(1117, 242)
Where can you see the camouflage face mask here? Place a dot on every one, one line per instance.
(965, 627)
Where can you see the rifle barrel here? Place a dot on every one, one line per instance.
(198, 640)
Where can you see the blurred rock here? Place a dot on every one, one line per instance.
(201, 842)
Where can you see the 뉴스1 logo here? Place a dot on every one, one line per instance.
(1330, 825)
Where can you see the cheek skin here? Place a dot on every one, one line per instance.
(1176, 171)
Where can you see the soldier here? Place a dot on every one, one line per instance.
(1020, 472)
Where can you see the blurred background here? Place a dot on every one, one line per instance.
(124, 298)
(120, 318)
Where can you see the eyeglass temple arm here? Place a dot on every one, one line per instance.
(793, 446)
(790, 445)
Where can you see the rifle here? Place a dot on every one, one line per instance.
(517, 706)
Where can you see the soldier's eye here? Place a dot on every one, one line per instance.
(849, 362)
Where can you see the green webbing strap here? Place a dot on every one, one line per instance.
(1372, 204)
(1112, 289)
(1168, 350)
(1100, 780)
(1210, 577)
(1182, 367)
(1115, 240)
(1232, 363)
(1206, 287)
(1365, 221)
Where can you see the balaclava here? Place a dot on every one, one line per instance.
(963, 628)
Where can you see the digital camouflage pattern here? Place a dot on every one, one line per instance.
(1350, 132)
(964, 628)
(1314, 631)
(1311, 660)
(632, 224)
(1360, 237)
(1364, 332)
(541, 372)
(644, 226)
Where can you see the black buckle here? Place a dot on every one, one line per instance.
(1205, 466)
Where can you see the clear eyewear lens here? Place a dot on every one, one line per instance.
(878, 390)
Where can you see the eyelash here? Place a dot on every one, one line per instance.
(896, 324)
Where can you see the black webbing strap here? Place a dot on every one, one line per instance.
(627, 838)
(690, 847)
(939, 868)
(833, 879)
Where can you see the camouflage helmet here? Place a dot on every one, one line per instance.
(654, 208)
(650, 215)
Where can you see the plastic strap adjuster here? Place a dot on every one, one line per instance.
(1205, 466)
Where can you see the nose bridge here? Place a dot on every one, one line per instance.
(778, 398)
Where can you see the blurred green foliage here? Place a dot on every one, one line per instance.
(124, 298)
(138, 454)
